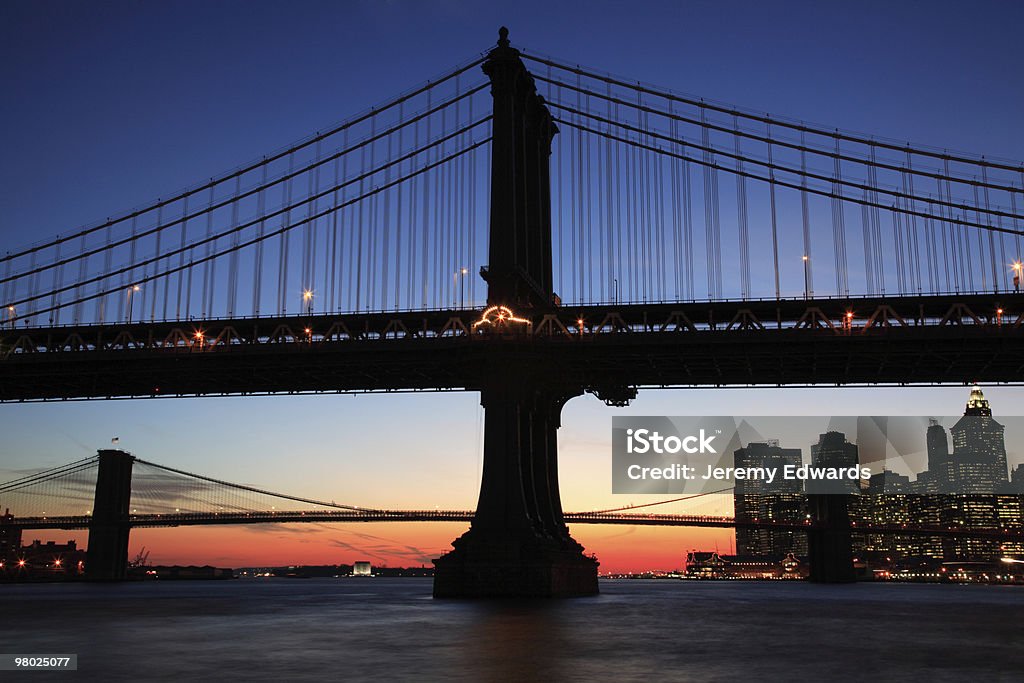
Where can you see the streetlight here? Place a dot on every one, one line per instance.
(462, 285)
(1017, 266)
(807, 260)
(10, 315)
(307, 298)
(131, 290)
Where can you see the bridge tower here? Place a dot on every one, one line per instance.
(518, 544)
(107, 558)
(829, 546)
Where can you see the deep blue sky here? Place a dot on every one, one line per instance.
(107, 106)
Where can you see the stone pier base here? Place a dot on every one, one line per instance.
(542, 568)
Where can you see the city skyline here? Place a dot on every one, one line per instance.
(636, 549)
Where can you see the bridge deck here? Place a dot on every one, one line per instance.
(905, 340)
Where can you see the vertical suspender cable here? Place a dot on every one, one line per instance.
(913, 237)
(560, 222)
(385, 254)
(371, 226)
(360, 219)
(865, 223)
(55, 315)
(609, 215)
(589, 175)
(1016, 226)
(151, 293)
(398, 215)
(425, 244)
(181, 258)
(472, 222)
(741, 214)
(257, 281)
(996, 268)
(677, 220)
(805, 220)
(285, 241)
(775, 232)
(332, 284)
(579, 248)
(659, 184)
(981, 247)
(234, 258)
(688, 227)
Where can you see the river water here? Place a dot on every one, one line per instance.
(353, 628)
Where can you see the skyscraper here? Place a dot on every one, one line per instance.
(976, 471)
(938, 478)
(780, 501)
(979, 448)
(10, 537)
(833, 450)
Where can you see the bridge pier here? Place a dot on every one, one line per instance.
(518, 544)
(829, 543)
(107, 558)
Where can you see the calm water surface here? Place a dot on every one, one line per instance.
(329, 629)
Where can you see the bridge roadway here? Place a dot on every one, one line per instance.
(366, 516)
(904, 340)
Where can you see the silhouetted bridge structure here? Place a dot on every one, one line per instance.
(613, 255)
(372, 516)
(867, 340)
(121, 485)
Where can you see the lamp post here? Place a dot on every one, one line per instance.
(807, 261)
(307, 300)
(462, 289)
(461, 284)
(1017, 266)
(131, 291)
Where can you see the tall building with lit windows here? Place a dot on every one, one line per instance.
(978, 461)
(965, 486)
(938, 478)
(10, 537)
(781, 501)
(833, 450)
(975, 472)
(888, 500)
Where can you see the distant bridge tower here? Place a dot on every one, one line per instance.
(518, 544)
(107, 559)
(829, 545)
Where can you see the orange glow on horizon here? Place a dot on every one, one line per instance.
(619, 549)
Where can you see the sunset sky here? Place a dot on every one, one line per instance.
(108, 106)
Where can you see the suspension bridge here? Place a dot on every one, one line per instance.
(121, 492)
(535, 230)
